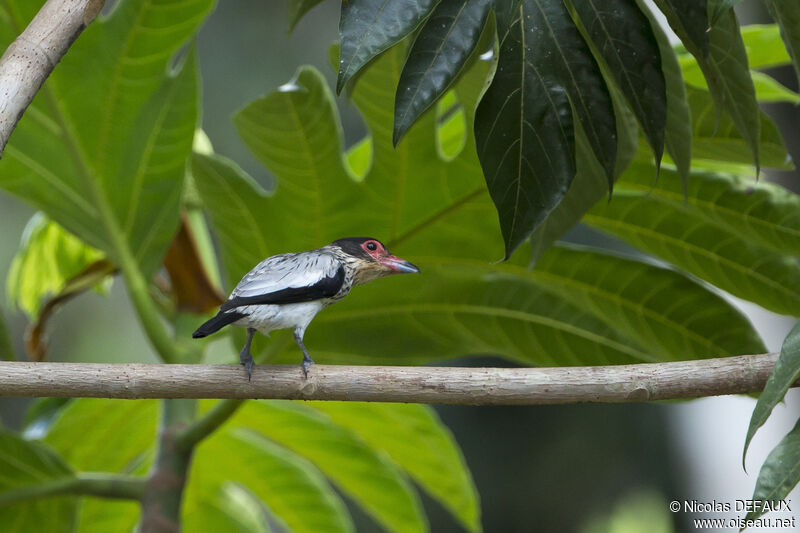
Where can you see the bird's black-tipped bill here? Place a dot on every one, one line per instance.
(401, 266)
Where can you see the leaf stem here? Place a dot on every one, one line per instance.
(207, 424)
(134, 279)
(102, 485)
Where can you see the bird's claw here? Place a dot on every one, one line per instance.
(307, 362)
(247, 362)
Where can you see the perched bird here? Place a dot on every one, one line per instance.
(288, 290)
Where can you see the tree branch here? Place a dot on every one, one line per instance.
(472, 386)
(114, 486)
(28, 61)
(161, 501)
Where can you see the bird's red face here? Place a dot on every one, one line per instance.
(378, 252)
(370, 259)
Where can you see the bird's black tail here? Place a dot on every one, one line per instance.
(216, 323)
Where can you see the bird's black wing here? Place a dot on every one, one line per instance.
(326, 287)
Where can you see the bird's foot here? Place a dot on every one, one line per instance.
(307, 362)
(247, 362)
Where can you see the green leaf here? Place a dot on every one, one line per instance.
(589, 185)
(41, 413)
(678, 134)
(369, 479)
(413, 437)
(234, 222)
(367, 28)
(689, 20)
(787, 15)
(767, 89)
(717, 138)
(294, 492)
(728, 76)
(296, 9)
(28, 465)
(100, 515)
(235, 509)
(697, 238)
(48, 257)
(110, 169)
(526, 142)
(438, 54)
(764, 46)
(6, 348)
(658, 309)
(783, 376)
(717, 8)
(779, 474)
(451, 129)
(770, 90)
(761, 213)
(112, 434)
(460, 309)
(96, 434)
(636, 66)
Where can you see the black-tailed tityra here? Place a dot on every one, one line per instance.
(288, 290)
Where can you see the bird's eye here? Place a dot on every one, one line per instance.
(371, 246)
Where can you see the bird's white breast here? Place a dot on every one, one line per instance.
(266, 318)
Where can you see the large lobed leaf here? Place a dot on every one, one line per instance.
(110, 168)
(29, 465)
(295, 492)
(416, 440)
(118, 436)
(348, 445)
(572, 310)
(363, 474)
(728, 231)
(111, 436)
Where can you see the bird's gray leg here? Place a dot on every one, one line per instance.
(244, 356)
(307, 361)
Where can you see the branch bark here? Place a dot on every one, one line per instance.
(471, 386)
(163, 494)
(28, 61)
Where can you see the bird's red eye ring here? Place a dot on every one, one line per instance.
(371, 246)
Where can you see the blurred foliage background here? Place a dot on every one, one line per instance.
(563, 468)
